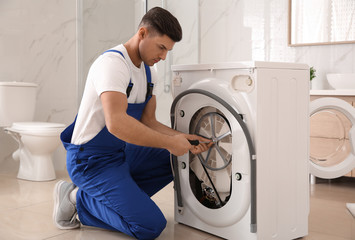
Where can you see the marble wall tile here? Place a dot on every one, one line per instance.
(40, 48)
(186, 51)
(38, 44)
(104, 25)
(217, 35)
(234, 30)
(53, 43)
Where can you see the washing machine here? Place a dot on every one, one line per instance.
(332, 137)
(253, 182)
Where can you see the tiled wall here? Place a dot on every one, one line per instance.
(38, 44)
(102, 26)
(243, 30)
(53, 43)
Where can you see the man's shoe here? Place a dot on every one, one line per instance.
(64, 213)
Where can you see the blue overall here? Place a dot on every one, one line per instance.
(116, 180)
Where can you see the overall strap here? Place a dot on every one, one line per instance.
(116, 51)
(150, 85)
(130, 85)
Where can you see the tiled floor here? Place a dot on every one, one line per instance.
(26, 213)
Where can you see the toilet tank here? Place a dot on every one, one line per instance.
(17, 102)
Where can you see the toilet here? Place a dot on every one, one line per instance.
(37, 140)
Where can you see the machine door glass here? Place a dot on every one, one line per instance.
(332, 126)
(211, 171)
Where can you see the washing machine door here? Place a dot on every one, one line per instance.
(332, 137)
(220, 182)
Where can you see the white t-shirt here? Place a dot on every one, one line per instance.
(109, 72)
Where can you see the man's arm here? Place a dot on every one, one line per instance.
(128, 129)
(149, 119)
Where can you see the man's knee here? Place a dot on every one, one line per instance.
(149, 231)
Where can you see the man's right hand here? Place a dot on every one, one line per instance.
(179, 145)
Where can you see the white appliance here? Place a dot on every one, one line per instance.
(332, 146)
(253, 183)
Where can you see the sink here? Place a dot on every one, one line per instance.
(341, 80)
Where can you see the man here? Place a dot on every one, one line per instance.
(118, 154)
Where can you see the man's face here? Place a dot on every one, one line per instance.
(153, 48)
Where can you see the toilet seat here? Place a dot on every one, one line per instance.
(37, 128)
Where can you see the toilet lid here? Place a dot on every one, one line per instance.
(36, 126)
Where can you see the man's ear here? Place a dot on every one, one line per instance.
(142, 32)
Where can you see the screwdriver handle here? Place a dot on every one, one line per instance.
(194, 142)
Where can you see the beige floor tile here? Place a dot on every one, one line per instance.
(20, 224)
(16, 193)
(44, 208)
(19, 193)
(329, 215)
(331, 218)
(339, 190)
(86, 233)
(26, 213)
(176, 231)
(322, 236)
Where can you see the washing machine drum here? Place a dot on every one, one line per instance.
(210, 175)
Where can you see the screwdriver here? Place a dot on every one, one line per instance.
(197, 142)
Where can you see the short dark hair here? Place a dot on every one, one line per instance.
(162, 21)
